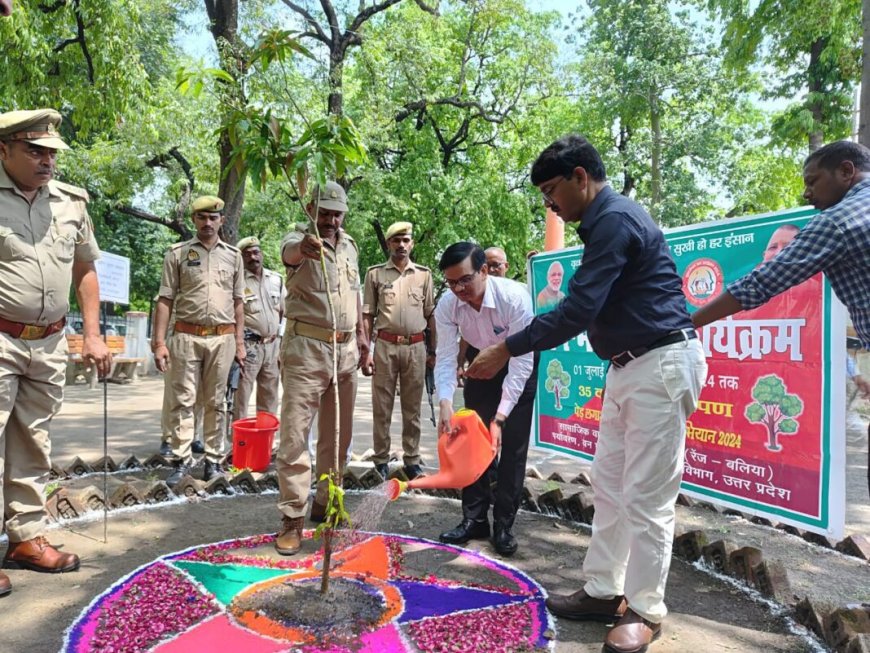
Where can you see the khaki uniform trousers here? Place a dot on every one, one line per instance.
(199, 361)
(261, 367)
(407, 365)
(636, 474)
(309, 388)
(165, 420)
(32, 376)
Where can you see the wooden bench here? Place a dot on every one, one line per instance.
(124, 368)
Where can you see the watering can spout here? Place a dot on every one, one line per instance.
(464, 455)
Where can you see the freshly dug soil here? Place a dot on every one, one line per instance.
(346, 610)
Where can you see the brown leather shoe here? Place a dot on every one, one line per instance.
(583, 607)
(5, 584)
(632, 634)
(289, 539)
(38, 555)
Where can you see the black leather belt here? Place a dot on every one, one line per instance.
(623, 359)
(250, 336)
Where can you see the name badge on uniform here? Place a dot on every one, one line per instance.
(193, 258)
(498, 330)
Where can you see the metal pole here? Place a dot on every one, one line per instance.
(105, 437)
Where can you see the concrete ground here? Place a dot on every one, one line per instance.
(134, 428)
(707, 613)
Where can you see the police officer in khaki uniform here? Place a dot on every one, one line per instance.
(203, 280)
(307, 358)
(264, 295)
(398, 303)
(46, 243)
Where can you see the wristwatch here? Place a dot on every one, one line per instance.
(498, 422)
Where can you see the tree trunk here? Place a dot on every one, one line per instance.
(816, 137)
(864, 106)
(224, 17)
(335, 101)
(655, 120)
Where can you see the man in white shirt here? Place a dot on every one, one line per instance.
(484, 310)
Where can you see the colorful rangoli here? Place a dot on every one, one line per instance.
(387, 593)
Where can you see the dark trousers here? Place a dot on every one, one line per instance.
(483, 396)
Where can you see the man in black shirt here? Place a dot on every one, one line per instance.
(628, 297)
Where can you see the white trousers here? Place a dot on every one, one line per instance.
(636, 475)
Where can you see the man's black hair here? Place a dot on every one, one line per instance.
(561, 157)
(833, 154)
(460, 251)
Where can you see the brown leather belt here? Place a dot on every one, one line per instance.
(295, 327)
(200, 330)
(31, 331)
(413, 339)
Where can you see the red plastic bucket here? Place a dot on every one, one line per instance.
(252, 441)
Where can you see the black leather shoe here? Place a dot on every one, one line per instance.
(212, 470)
(503, 540)
(383, 469)
(467, 530)
(180, 470)
(413, 471)
(197, 447)
(166, 448)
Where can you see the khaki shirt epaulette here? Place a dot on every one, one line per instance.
(203, 283)
(72, 190)
(306, 289)
(401, 302)
(39, 241)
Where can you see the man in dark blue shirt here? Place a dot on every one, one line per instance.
(628, 296)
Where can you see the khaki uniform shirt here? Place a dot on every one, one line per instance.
(202, 283)
(306, 290)
(38, 244)
(263, 299)
(401, 302)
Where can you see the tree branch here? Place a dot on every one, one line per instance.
(319, 34)
(162, 161)
(178, 227)
(50, 9)
(427, 8)
(367, 13)
(80, 34)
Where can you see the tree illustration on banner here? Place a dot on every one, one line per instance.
(775, 409)
(558, 382)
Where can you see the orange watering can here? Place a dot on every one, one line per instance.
(464, 455)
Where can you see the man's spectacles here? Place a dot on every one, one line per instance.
(548, 195)
(461, 282)
(495, 265)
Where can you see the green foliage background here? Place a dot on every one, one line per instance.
(701, 110)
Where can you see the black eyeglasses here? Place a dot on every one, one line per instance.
(548, 198)
(461, 282)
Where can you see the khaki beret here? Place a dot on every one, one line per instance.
(38, 127)
(331, 197)
(398, 229)
(207, 204)
(250, 241)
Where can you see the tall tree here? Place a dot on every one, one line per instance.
(327, 29)
(813, 46)
(454, 108)
(665, 102)
(224, 25)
